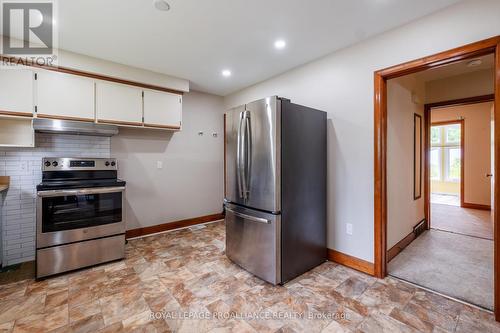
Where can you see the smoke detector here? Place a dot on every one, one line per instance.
(474, 63)
(161, 5)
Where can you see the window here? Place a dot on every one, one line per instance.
(452, 134)
(435, 163)
(453, 156)
(446, 153)
(435, 135)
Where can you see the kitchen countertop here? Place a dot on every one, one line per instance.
(4, 183)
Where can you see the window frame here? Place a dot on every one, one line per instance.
(444, 147)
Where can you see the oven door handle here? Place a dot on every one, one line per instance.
(83, 191)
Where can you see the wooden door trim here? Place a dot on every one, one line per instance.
(484, 47)
(487, 46)
(496, 189)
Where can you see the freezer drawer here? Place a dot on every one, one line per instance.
(253, 242)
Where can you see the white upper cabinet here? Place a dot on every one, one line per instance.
(118, 104)
(64, 96)
(16, 92)
(162, 109)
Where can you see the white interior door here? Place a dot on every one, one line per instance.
(65, 96)
(162, 109)
(118, 103)
(16, 91)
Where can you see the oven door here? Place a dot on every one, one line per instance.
(72, 215)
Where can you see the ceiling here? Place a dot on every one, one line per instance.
(197, 39)
(457, 68)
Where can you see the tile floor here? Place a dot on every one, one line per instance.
(183, 277)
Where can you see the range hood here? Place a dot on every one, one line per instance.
(73, 127)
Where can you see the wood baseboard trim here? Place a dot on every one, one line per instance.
(351, 262)
(475, 206)
(172, 225)
(400, 246)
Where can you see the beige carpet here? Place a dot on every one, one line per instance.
(465, 221)
(455, 265)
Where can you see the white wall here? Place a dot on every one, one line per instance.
(191, 181)
(460, 86)
(342, 85)
(403, 211)
(104, 67)
(113, 69)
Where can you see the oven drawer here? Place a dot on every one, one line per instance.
(68, 257)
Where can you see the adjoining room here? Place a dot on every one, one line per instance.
(454, 245)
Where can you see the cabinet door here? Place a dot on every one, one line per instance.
(118, 104)
(16, 92)
(64, 96)
(162, 109)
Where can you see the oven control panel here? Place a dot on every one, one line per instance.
(68, 164)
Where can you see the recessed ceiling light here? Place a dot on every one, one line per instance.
(161, 5)
(474, 63)
(226, 73)
(280, 44)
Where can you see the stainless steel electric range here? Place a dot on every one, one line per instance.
(80, 214)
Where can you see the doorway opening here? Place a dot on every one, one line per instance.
(450, 163)
(446, 162)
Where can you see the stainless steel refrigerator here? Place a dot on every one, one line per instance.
(275, 201)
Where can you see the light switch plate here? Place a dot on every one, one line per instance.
(159, 165)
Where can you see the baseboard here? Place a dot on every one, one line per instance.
(172, 225)
(351, 262)
(475, 206)
(396, 249)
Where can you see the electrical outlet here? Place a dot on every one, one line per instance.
(348, 228)
(159, 165)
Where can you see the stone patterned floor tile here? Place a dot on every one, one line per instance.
(56, 299)
(84, 310)
(6, 327)
(88, 324)
(166, 280)
(50, 319)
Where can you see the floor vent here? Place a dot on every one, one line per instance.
(419, 228)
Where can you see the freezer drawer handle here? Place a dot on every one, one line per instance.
(248, 217)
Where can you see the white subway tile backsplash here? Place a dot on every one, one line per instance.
(23, 165)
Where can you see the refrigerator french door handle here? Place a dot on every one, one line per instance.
(248, 155)
(248, 217)
(239, 145)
